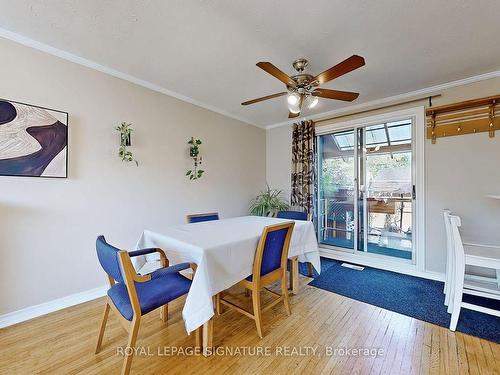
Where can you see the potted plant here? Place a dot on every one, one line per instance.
(268, 201)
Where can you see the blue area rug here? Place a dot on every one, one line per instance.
(408, 295)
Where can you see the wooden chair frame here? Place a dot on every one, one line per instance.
(188, 217)
(259, 282)
(294, 262)
(130, 277)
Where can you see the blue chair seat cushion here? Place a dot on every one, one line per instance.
(151, 294)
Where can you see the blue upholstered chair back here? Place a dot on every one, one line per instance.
(292, 215)
(273, 250)
(108, 257)
(203, 217)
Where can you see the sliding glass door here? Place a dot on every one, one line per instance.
(366, 189)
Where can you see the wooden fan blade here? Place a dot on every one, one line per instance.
(346, 66)
(264, 98)
(275, 72)
(346, 96)
(293, 115)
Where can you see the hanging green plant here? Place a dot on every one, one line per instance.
(194, 153)
(125, 141)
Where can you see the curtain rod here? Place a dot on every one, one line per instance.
(430, 97)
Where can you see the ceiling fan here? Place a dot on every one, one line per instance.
(303, 87)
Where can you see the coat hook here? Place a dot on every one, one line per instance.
(492, 119)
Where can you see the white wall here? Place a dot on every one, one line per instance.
(48, 226)
(279, 159)
(459, 173)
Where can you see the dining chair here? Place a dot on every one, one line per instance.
(297, 215)
(294, 215)
(269, 266)
(197, 218)
(472, 283)
(131, 295)
(481, 257)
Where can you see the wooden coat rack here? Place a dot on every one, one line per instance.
(471, 116)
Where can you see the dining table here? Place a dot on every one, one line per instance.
(223, 252)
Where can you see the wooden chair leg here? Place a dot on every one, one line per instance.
(132, 337)
(256, 310)
(294, 275)
(284, 293)
(102, 328)
(218, 307)
(164, 313)
(207, 337)
(310, 269)
(198, 334)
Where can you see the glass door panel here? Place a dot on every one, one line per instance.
(336, 189)
(365, 189)
(388, 189)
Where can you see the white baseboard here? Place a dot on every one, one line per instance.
(374, 262)
(51, 306)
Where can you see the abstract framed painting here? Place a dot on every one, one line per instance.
(33, 141)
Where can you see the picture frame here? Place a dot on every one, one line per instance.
(33, 140)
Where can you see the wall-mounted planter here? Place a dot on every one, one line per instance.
(194, 153)
(125, 131)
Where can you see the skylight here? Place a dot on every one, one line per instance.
(387, 134)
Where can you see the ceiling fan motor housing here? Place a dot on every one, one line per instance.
(300, 64)
(304, 82)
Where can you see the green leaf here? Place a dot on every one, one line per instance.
(267, 201)
(188, 173)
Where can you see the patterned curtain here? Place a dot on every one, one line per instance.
(303, 160)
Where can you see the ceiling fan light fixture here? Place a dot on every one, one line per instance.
(293, 99)
(294, 108)
(312, 101)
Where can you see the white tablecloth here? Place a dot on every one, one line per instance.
(224, 251)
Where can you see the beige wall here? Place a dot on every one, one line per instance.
(459, 173)
(48, 226)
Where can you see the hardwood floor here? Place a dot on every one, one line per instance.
(63, 342)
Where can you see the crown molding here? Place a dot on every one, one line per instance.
(18, 38)
(391, 99)
(6, 34)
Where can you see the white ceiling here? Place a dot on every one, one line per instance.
(207, 50)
